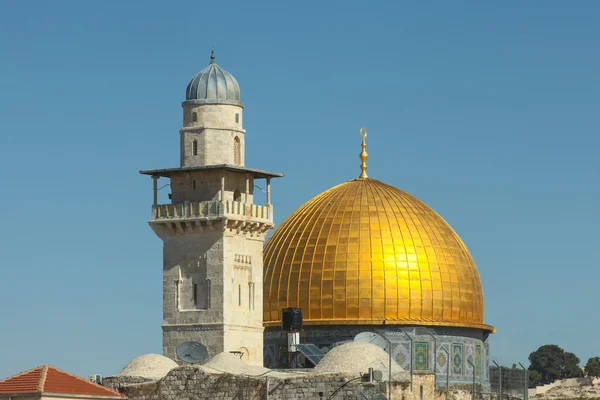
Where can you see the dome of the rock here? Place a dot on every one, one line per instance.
(367, 253)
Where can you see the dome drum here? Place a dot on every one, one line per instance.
(202, 102)
(425, 346)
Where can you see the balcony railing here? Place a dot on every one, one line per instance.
(207, 209)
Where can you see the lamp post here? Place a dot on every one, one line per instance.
(447, 370)
(473, 368)
(434, 358)
(500, 386)
(525, 385)
(411, 359)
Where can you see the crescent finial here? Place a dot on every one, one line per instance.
(363, 154)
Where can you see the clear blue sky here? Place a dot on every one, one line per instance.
(487, 112)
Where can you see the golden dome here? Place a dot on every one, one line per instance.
(364, 252)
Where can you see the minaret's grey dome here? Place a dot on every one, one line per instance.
(213, 85)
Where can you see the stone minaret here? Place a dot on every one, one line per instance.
(213, 233)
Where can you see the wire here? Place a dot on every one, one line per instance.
(341, 387)
(164, 186)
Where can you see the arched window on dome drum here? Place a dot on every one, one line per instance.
(195, 147)
(236, 151)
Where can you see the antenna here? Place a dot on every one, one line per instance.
(373, 338)
(192, 352)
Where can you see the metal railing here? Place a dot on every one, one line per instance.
(509, 383)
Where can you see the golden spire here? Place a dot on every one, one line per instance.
(363, 153)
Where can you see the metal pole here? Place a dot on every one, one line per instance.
(473, 367)
(155, 179)
(411, 360)
(389, 342)
(434, 359)
(389, 368)
(508, 383)
(525, 384)
(268, 387)
(247, 194)
(500, 387)
(222, 193)
(447, 370)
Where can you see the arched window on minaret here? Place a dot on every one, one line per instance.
(237, 160)
(237, 196)
(239, 295)
(195, 147)
(249, 295)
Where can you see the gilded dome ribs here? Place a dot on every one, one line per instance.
(401, 205)
(314, 262)
(332, 258)
(300, 240)
(366, 262)
(376, 225)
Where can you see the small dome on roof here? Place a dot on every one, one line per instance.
(213, 85)
(149, 366)
(355, 358)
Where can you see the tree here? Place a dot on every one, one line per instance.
(571, 368)
(552, 363)
(535, 379)
(592, 367)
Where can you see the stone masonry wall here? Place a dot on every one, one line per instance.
(189, 383)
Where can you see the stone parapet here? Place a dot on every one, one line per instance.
(195, 383)
(212, 209)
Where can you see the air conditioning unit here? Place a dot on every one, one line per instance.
(96, 378)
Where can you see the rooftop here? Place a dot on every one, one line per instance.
(167, 172)
(47, 379)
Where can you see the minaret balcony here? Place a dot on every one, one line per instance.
(209, 210)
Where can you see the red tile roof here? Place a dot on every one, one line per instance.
(48, 379)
